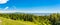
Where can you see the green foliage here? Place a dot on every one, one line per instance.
(51, 19)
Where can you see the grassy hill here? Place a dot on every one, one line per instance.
(29, 19)
(5, 21)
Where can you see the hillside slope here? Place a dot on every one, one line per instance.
(4, 21)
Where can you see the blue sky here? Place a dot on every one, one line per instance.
(31, 6)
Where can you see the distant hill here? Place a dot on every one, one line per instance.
(39, 14)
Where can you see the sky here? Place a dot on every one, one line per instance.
(30, 6)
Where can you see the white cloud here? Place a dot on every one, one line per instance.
(6, 8)
(3, 1)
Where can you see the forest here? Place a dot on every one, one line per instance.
(52, 19)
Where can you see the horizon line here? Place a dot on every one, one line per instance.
(29, 11)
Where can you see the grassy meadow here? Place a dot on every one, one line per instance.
(29, 19)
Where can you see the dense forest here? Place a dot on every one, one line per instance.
(52, 19)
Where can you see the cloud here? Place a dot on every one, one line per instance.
(3, 1)
(6, 8)
(13, 8)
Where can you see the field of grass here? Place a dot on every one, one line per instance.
(29, 19)
(5, 21)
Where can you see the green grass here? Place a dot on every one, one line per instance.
(5, 21)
